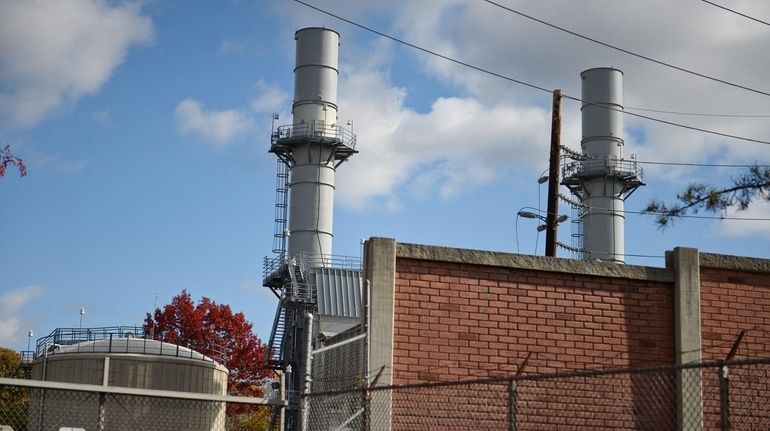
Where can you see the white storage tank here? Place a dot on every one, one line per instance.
(130, 362)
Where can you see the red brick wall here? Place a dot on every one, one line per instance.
(733, 301)
(460, 321)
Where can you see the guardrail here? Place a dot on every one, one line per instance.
(122, 339)
(315, 129)
(608, 166)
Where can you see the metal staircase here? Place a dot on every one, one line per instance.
(274, 359)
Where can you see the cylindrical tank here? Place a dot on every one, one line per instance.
(313, 168)
(131, 363)
(602, 145)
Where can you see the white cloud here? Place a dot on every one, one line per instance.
(218, 127)
(460, 143)
(11, 321)
(747, 229)
(504, 126)
(270, 98)
(52, 53)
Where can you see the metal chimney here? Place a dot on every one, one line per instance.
(314, 145)
(603, 178)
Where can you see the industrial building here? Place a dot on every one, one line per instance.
(415, 314)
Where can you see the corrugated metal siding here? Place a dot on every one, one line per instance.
(338, 292)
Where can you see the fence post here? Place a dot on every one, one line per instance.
(513, 395)
(724, 397)
(305, 403)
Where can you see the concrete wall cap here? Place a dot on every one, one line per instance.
(736, 263)
(537, 263)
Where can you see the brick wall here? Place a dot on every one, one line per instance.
(732, 301)
(457, 321)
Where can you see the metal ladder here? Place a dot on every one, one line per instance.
(281, 206)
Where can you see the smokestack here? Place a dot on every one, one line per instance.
(604, 178)
(314, 145)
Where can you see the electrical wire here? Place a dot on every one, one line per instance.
(702, 165)
(523, 83)
(670, 123)
(698, 114)
(625, 51)
(737, 13)
(654, 213)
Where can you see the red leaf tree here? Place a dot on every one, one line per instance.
(211, 328)
(6, 158)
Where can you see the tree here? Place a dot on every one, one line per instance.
(6, 158)
(209, 327)
(14, 400)
(752, 185)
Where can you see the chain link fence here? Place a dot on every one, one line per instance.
(25, 408)
(339, 367)
(712, 396)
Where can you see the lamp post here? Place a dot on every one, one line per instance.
(82, 312)
(545, 219)
(30, 334)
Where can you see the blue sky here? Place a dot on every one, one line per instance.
(145, 127)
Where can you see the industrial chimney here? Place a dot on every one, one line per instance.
(309, 151)
(603, 178)
(313, 146)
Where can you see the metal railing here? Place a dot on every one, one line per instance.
(310, 260)
(692, 396)
(600, 167)
(121, 339)
(306, 260)
(271, 265)
(315, 130)
(30, 405)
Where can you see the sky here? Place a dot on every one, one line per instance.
(145, 127)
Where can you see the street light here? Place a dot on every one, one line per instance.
(82, 312)
(30, 334)
(528, 214)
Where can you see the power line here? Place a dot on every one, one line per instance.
(737, 13)
(625, 51)
(670, 123)
(698, 114)
(703, 165)
(653, 213)
(425, 50)
(520, 82)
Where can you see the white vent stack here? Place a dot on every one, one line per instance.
(603, 179)
(314, 145)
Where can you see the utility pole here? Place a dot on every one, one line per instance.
(553, 177)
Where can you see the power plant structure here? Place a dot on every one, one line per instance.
(317, 293)
(602, 178)
(123, 356)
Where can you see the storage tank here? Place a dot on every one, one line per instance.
(129, 362)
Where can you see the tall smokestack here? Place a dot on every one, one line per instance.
(603, 179)
(314, 145)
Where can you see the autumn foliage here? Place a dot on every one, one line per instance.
(211, 328)
(6, 158)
